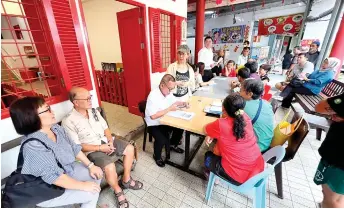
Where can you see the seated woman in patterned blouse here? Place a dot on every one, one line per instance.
(33, 118)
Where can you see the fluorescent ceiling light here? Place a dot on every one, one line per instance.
(208, 12)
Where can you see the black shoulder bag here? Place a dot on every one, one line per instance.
(258, 112)
(26, 191)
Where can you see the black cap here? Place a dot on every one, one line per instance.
(337, 104)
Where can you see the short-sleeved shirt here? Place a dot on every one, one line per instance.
(307, 68)
(241, 159)
(264, 125)
(156, 102)
(332, 148)
(84, 130)
(242, 60)
(42, 162)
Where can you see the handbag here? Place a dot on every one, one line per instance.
(296, 82)
(284, 130)
(258, 111)
(26, 191)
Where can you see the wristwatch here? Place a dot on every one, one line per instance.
(90, 165)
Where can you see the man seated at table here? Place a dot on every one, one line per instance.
(259, 110)
(252, 65)
(87, 127)
(161, 101)
(243, 74)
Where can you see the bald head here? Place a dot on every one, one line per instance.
(75, 91)
(167, 78)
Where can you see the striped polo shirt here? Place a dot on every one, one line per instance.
(41, 162)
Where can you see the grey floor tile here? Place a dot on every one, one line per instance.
(156, 192)
(175, 193)
(162, 186)
(179, 187)
(164, 205)
(237, 197)
(144, 204)
(174, 202)
(303, 201)
(216, 204)
(151, 199)
(195, 194)
(274, 204)
(283, 201)
(220, 189)
(193, 202)
(218, 197)
(165, 179)
(231, 203)
(184, 205)
(132, 198)
(206, 206)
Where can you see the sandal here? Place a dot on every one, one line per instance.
(127, 185)
(123, 202)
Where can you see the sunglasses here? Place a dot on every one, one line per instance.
(47, 110)
(87, 99)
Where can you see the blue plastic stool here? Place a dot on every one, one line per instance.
(255, 186)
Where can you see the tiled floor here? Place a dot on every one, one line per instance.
(120, 121)
(170, 187)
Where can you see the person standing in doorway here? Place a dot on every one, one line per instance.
(205, 55)
(183, 73)
(296, 51)
(313, 53)
(287, 58)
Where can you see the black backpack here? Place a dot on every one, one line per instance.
(26, 191)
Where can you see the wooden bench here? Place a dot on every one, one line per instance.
(308, 102)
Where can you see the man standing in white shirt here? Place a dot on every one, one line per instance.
(205, 55)
(161, 101)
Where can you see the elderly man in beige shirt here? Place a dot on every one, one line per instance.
(87, 127)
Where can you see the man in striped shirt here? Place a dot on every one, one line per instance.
(87, 127)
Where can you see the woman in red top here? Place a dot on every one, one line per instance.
(229, 70)
(240, 155)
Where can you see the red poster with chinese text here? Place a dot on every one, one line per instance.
(286, 25)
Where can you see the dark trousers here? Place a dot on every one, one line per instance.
(161, 135)
(212, 163)
(207, 75)
(217, 70)
(289, 93)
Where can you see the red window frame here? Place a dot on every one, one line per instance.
(164, 47)
(63, 49)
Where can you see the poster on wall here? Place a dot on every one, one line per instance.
(283, 25)
(233, 34)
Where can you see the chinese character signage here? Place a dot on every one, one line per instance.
(233, 34)
(283, 25)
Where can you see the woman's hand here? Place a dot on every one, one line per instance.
(96, 172)
(208, 140)
(89, 186)
(179, 83)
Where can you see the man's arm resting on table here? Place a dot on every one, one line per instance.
(161, 113)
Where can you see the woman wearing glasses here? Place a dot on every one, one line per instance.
(57, 165)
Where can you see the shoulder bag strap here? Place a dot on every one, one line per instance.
(21, 157)
(258, 112)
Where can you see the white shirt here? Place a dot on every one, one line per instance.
(206, 56)
(242, 60)
(156, 102)
(84, 130)
(198, 80)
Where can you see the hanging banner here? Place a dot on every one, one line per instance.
(233, 34)
(283, 25)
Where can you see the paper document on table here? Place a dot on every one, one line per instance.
(220, 78)
(181, 114)
(217, 103)
(204, 88)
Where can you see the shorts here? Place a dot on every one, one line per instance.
(213, 163)
(101, 159)
(330, 175)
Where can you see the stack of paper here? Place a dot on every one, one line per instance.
(181, 114)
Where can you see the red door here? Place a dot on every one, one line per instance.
(130, 29)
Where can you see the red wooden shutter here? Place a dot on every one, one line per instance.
(69, 45)
(179, 29)
(154, 16)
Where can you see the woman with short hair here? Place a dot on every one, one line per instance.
(33, 118)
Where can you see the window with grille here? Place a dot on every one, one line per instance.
(165, 38)
(32, 62)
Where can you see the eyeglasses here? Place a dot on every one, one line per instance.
(47, 110)
(87, 99)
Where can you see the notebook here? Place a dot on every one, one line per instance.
(181, 114)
